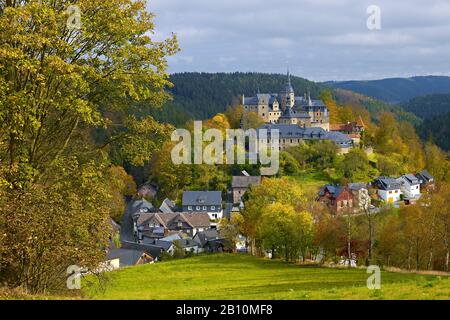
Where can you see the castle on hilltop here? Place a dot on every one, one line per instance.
(286, 108)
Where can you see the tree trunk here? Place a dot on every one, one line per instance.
(430, 260)
(417, 255)
(409, 257)
(447, 254)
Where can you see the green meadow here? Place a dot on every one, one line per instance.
(239, 276)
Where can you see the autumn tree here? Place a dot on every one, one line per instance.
(287, 194)
(61, 84)
(327, 97)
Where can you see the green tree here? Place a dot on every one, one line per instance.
(61, 89)
(356, 166)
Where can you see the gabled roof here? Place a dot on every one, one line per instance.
(161, 218)
(206, 198)
(291, 113)
(357, 186)
(141, 206)
(387, 183)
(197, 219)
(172, 237)
(127, 257)
(186, 243)
(167, 220)
(164, 245)
(335, 191)
(208, 235)
(425, 176)
(167, 206)
(245, 181)
(151, 250)
(412, 179)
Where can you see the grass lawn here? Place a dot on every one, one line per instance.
(311, 179)
(239, 276)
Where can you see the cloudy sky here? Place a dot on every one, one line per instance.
(319, 39)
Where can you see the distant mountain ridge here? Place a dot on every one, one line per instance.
(396, 90)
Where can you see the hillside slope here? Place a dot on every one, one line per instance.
(428, 106)
(395, 90)
(438, 128)
(221, 277)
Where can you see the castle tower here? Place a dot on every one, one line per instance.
(287, 94)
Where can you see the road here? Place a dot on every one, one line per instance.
(126, 225)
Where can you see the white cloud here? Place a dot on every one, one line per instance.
(321, 39)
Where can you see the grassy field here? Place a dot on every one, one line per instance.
(310, 179)
(228, 276)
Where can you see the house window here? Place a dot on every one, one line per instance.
(204, 207)
(190, 208)
(180, 224)
(214, 207)
(214, 216)
(197, 208)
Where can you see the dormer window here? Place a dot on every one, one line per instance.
(201, 200)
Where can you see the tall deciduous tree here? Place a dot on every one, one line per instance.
(59, 81)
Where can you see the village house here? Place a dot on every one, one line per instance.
(160, 225)
(240, 185)
(210, 241)
(142, 206)
(119, 258)
(410, 186)
(338, 199)
(186, 243)
(389, 189)
(209, 202)
(353, 129)
(426, 180)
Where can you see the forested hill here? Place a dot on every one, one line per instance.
(435, 110)
(202, 95)
(438, 128)
(428, 106)
(395, 90)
